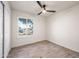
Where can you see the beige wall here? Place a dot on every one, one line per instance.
(7, 22)
(63, 28)
(38, 29)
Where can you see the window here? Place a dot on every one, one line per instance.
(25, 26)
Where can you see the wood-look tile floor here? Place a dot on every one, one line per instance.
(42, 49)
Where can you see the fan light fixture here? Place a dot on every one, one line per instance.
(44, 11)
(43, 8)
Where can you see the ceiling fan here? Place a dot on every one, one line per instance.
(44, 8)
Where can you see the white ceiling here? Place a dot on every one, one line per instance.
(33, 8)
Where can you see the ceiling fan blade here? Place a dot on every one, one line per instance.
(50, 11)
(39, 3)
(39, 13)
